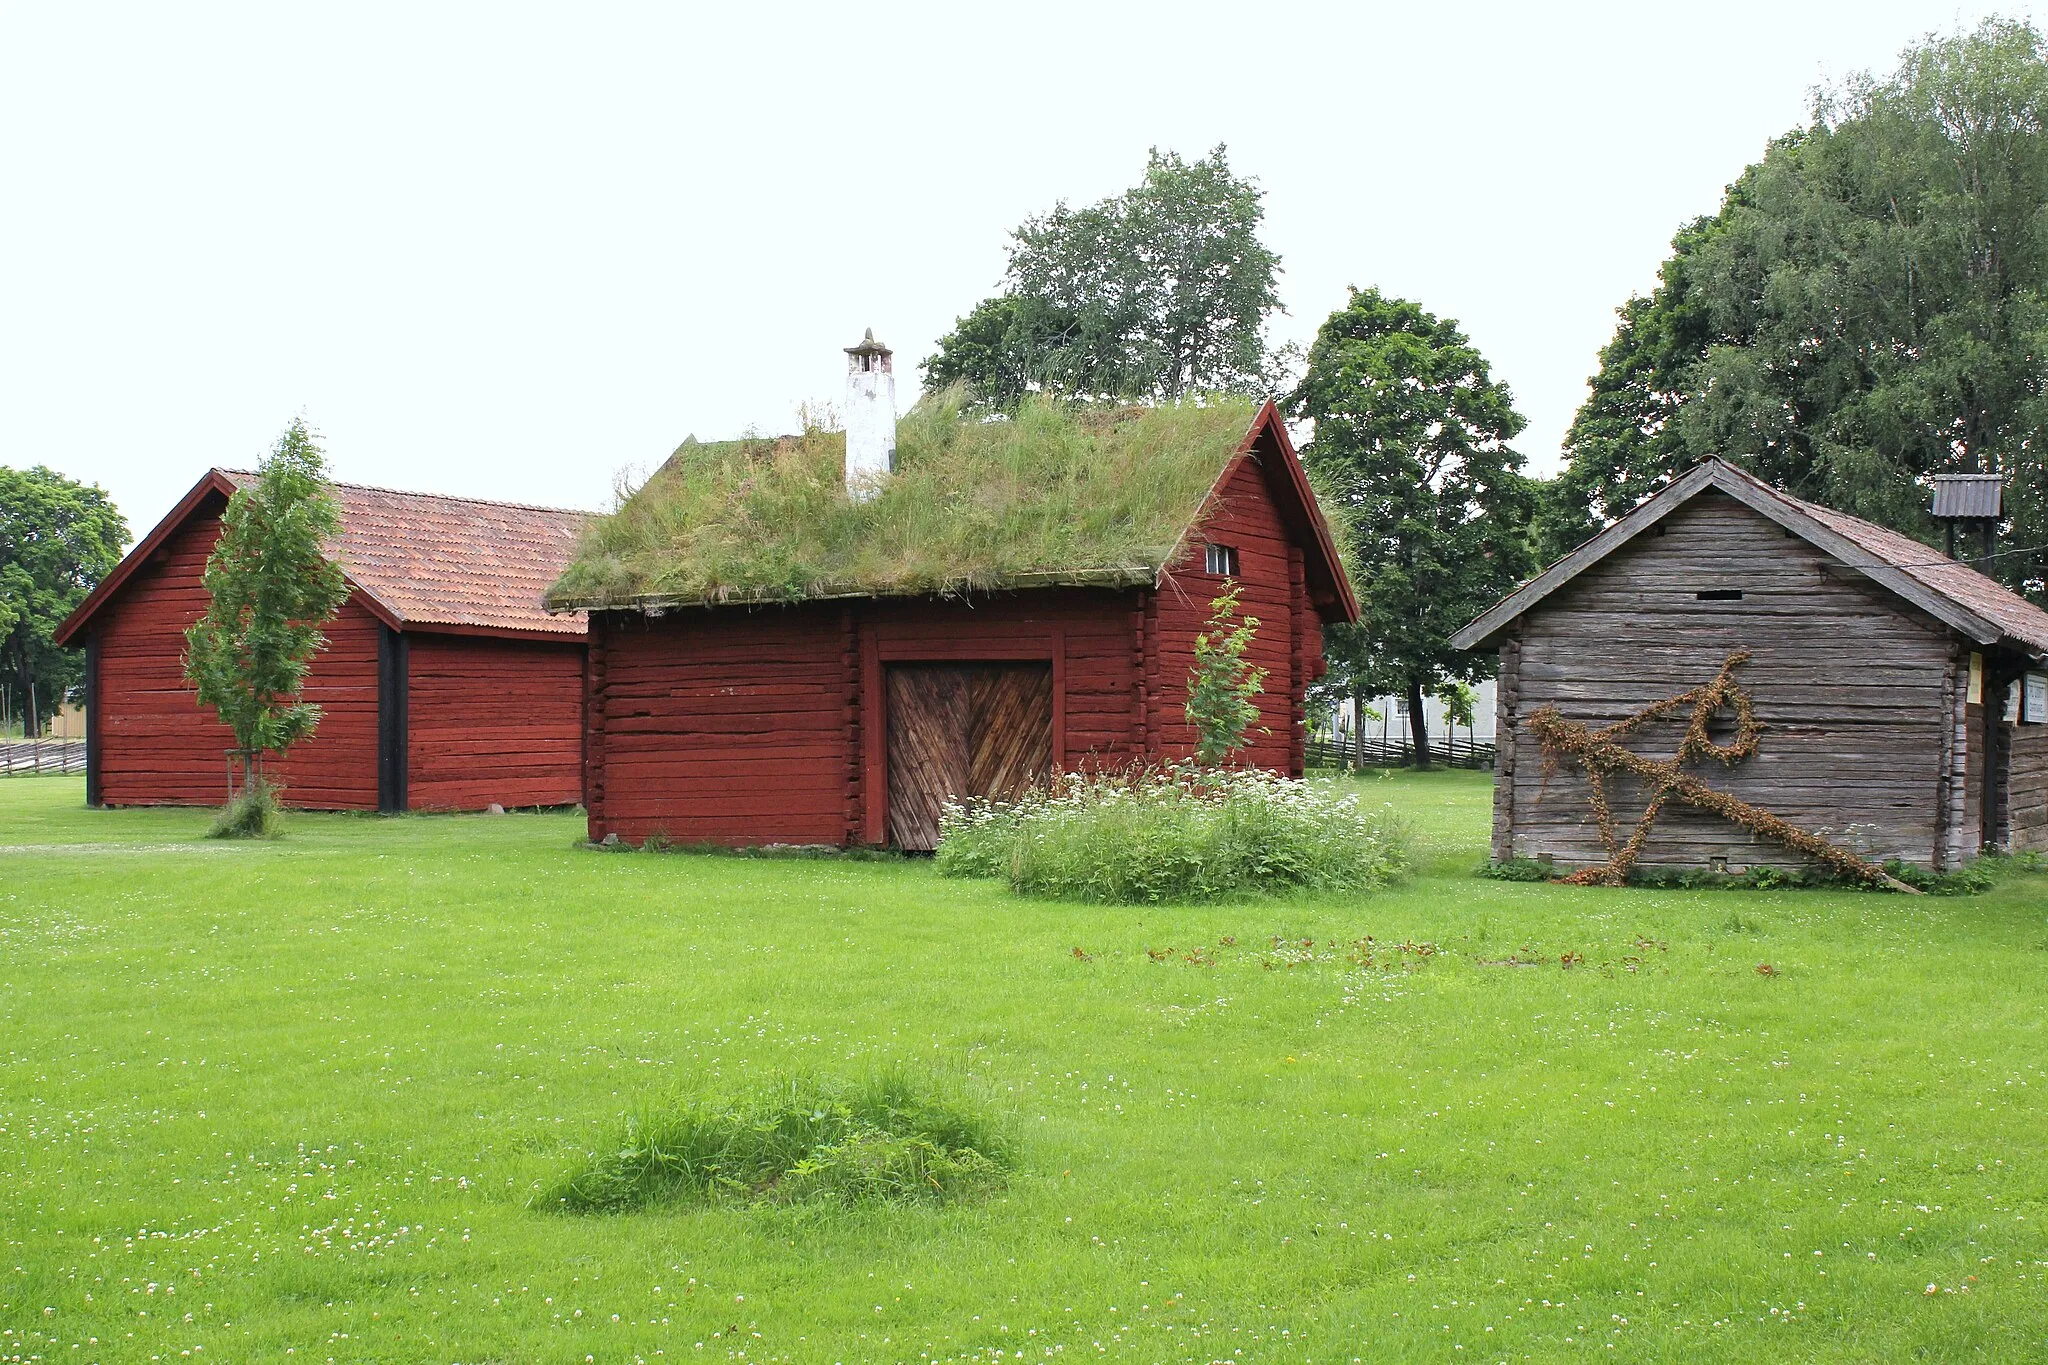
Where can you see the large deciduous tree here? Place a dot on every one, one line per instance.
(271, 588)
(58, 539)
(1150, 295)
(1868, 308)
(1411, 444)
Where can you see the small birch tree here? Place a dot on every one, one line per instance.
(272, 588)
(1222, 684)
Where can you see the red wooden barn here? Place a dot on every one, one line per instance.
(445, 682)
(782, 654)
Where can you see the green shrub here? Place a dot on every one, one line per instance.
(885, 1140)
(1517, 870)
(251, 814)
(1179, 833)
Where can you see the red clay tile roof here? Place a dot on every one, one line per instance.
(1958, 582)
(431, 560)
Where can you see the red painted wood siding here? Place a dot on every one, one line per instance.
(1242, 515)
(740, 726)
(720, 727)
(737, 726)
(158, 746)
(493, 720)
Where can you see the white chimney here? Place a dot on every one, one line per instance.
(870, 418)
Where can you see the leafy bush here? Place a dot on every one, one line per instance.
(251, 814)
(1517, 870)
(1178, 833)
(885, 1140)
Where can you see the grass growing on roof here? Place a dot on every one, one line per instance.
(1051, 493)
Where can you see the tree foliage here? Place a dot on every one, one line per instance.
(1151, 295)
(1411, 445)
(1869, 307)
(58, 539)
(1222, 684)
(271, 588)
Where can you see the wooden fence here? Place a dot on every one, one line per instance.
(41, 757)
(1460, 751)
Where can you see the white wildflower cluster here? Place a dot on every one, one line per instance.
(1175, 832)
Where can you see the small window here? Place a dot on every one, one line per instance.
(1223, 560)
(1720, 595)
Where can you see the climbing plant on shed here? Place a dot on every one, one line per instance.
(1601, 754)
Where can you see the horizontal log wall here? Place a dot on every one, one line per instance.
(743, 726)
(1847, 683)
(158, 746)
(493, 720)
(2029, 788)
(1244, 517)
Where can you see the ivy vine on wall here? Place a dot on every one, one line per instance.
(1601, 754)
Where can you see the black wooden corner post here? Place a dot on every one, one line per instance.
(394, 682)
(92, 718)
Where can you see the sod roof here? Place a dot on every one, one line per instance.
(1050, 496)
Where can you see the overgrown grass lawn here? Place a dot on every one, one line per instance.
(288, 1101)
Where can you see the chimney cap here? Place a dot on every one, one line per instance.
(869, 346)
(1968, 497)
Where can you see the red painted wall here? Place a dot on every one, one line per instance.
(1242, 515)
(158, 746)
(490, 719)
(765, 725)
(493, 720)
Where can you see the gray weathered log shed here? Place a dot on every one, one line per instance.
(1881, 671)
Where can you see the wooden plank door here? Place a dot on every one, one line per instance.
(1010, 734)
(929, 723)
(976, 730)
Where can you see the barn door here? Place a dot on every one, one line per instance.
(982, 730)
(929, 724)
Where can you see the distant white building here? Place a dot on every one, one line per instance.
(1392, 722)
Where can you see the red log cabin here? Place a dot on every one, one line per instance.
(782, 654)
(445, 683)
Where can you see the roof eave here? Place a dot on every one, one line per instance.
(1322, 545)
(1484, 631)
(211, 482)
(1124, 576)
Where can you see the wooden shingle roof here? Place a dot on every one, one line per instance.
(419, 561)
(1984, 611)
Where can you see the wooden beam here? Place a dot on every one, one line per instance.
(394, 732)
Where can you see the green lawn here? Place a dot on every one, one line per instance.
(285, 1102)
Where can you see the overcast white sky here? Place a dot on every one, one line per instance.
(507, 250)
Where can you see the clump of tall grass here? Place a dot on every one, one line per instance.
(251, 813)
(888, 1139)
(976, 502)
(1175, 833)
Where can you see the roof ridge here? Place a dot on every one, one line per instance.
(441, 497)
